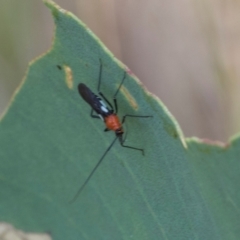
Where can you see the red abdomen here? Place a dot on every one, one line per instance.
(112, 122)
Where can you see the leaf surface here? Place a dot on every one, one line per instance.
(180, 189)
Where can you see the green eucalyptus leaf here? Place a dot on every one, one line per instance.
(49, 144)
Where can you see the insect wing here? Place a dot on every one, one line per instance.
(93, 100)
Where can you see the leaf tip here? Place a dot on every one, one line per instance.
(53, 7)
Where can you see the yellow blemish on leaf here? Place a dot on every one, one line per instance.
(68, 76)
(129, 97)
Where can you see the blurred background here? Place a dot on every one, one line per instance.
(187, 52)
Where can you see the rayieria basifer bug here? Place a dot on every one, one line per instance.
(109, 115)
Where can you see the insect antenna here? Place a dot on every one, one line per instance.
(91, 174)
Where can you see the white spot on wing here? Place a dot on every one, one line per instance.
(103, 107)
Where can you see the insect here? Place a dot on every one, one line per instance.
(108, 114)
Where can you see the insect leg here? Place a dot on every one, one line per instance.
(115, 95)
(92, 115)
(125, 137)
(126, 146)
(100, 75)
(92, 172)
(99, 83)
(105, 99)
(129, 115)
(123, 140)
(98, 117)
